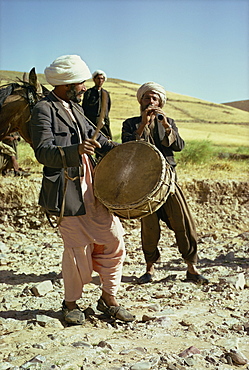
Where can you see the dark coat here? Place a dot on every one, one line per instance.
(91, 105)
(50, 127)
(161, 141)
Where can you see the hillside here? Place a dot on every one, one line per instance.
(242, 104)
(179, 325)
(195, 118)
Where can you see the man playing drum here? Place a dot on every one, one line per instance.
(63, 143)
(155, 128)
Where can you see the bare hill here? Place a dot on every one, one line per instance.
(242, 104)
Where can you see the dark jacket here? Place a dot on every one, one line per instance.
(91, 105)
(161, 140)
(50, 127)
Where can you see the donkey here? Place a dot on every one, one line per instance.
(16, 103)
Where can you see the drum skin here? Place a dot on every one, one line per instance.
(132, 180)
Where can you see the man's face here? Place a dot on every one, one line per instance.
(99, 80)
(76, 91)
(149, 98)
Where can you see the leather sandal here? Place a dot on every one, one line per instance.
(117, 312)
(199, 279)
(74, 316)
(145, 278)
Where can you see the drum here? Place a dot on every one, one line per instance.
(133, 180)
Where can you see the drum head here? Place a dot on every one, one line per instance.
(128, 174)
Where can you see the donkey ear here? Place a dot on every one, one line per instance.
(33, 81)
(33, 78)
(25, 77)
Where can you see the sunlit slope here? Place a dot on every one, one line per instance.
(196, 119)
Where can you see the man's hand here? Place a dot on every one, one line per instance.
(88, 146)
(164, 122)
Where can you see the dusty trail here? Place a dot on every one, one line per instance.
(172, 315)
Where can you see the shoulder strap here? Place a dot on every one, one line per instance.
(66, 178)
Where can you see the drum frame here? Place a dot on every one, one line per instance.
(149, 203)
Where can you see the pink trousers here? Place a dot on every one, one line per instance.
(79, 262)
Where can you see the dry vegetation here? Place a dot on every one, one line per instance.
(226, 128)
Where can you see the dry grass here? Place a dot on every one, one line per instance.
(215, 169)
(17, 192)
(218, 170)
(222, 125)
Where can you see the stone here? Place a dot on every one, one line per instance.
(42, 288)
(81, 344)
(10, 325)
(46, 321)
(148, 318)
(238, 358)
(6, 366)
(143, 365)
(240, 283)
(189, 351)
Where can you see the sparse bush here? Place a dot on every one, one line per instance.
(196, 152)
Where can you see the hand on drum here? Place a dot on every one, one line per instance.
(88, 146)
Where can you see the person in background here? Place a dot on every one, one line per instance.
(8, 159)
(62, 142)
(97, 102)
(12, 140)
(164, 134)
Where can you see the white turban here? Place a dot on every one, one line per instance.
(155, 88)
(67, 69)
(99, 72)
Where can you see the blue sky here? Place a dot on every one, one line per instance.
(198, 48)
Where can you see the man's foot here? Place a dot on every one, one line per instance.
(73, 316)
(194, 275)
(145, 278)
(197, 278)
(117, 312)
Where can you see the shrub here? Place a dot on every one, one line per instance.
(195, 152)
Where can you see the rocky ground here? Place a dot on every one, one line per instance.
(179, 325)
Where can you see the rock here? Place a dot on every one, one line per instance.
(240, 283)
(189, 351)
(237, 358)
(141, 366)
(35, 360)
(3, 248)
(46, 321)
(104, 344)
(153, 307)
(148, 318)
(6, 366)
(163, 321)
(10, 325)
(42, 288)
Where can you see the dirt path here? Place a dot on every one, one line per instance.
(172, 315)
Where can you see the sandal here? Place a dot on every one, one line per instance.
(145, 278)
(117, 312)
(74, 316)
(199, 279)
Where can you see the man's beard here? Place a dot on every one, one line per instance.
(73, 95)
